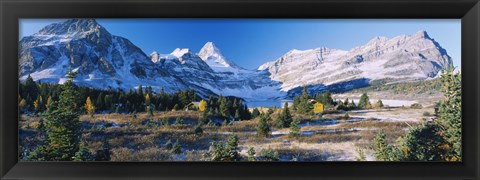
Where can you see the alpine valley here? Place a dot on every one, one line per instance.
(106, 61)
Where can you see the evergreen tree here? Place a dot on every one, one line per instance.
(346, 102)
(176, 107)
(303, 106)
(223, 107)
(176, 148)
(237, 115)
(364, 101)
(198, 129)
(62, 126)
(168, 145)
(203, 118)
(150, 109)
(83, 154)
(99, 104)
(255, 113)
(89, 107)
(361, 155)
(324, 98)
(450, 113)
(263, 130)
(422, 143)
(232, 148)
(178, 121)
(379, 104)
(104, 153)
(383, 152)
(294, 128)
(251, 154)
(286, 115)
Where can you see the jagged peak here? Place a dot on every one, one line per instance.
(377, 39)
(209, 49)
(179, 52)
(72, 26)
(421, 34)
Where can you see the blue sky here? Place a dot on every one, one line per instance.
(252, 42)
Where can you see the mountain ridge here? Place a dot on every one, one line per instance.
(110, 62)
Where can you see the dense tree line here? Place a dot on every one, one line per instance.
(36, 97)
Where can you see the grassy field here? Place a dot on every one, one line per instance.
(141, 137)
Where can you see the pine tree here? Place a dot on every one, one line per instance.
(251, 154)
(104, 153)
(203, 118)
(237, 115)
(382, 149)
(364, 101)
(168, 145)
(176, 107)
(198, 129)
(422, 144)
(62, 126)
(294, 128)
(450, 113)
(379, 104)
(178, 121)
(255, 113)
(89, 107)
(99, 103)
(176, 148)
(150, 110)
(303, 106)
(263, 130)
(83, 154)
(232, 145)
(286, 115)
(223, 107)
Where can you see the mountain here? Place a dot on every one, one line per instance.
(101, 59)
(402, 58)
(106, 61)
(209, 69)
(214, 58)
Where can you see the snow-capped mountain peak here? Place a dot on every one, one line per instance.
(72, 27)
(179, 52)
(214, 58)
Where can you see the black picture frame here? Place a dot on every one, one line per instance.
(466, 10)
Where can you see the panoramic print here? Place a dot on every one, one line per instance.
(305, 90)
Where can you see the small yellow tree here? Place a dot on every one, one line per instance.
(202, 105)
(49, 102)
(22, 103)
(89, 107)
(147, 100)
(36, 104)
